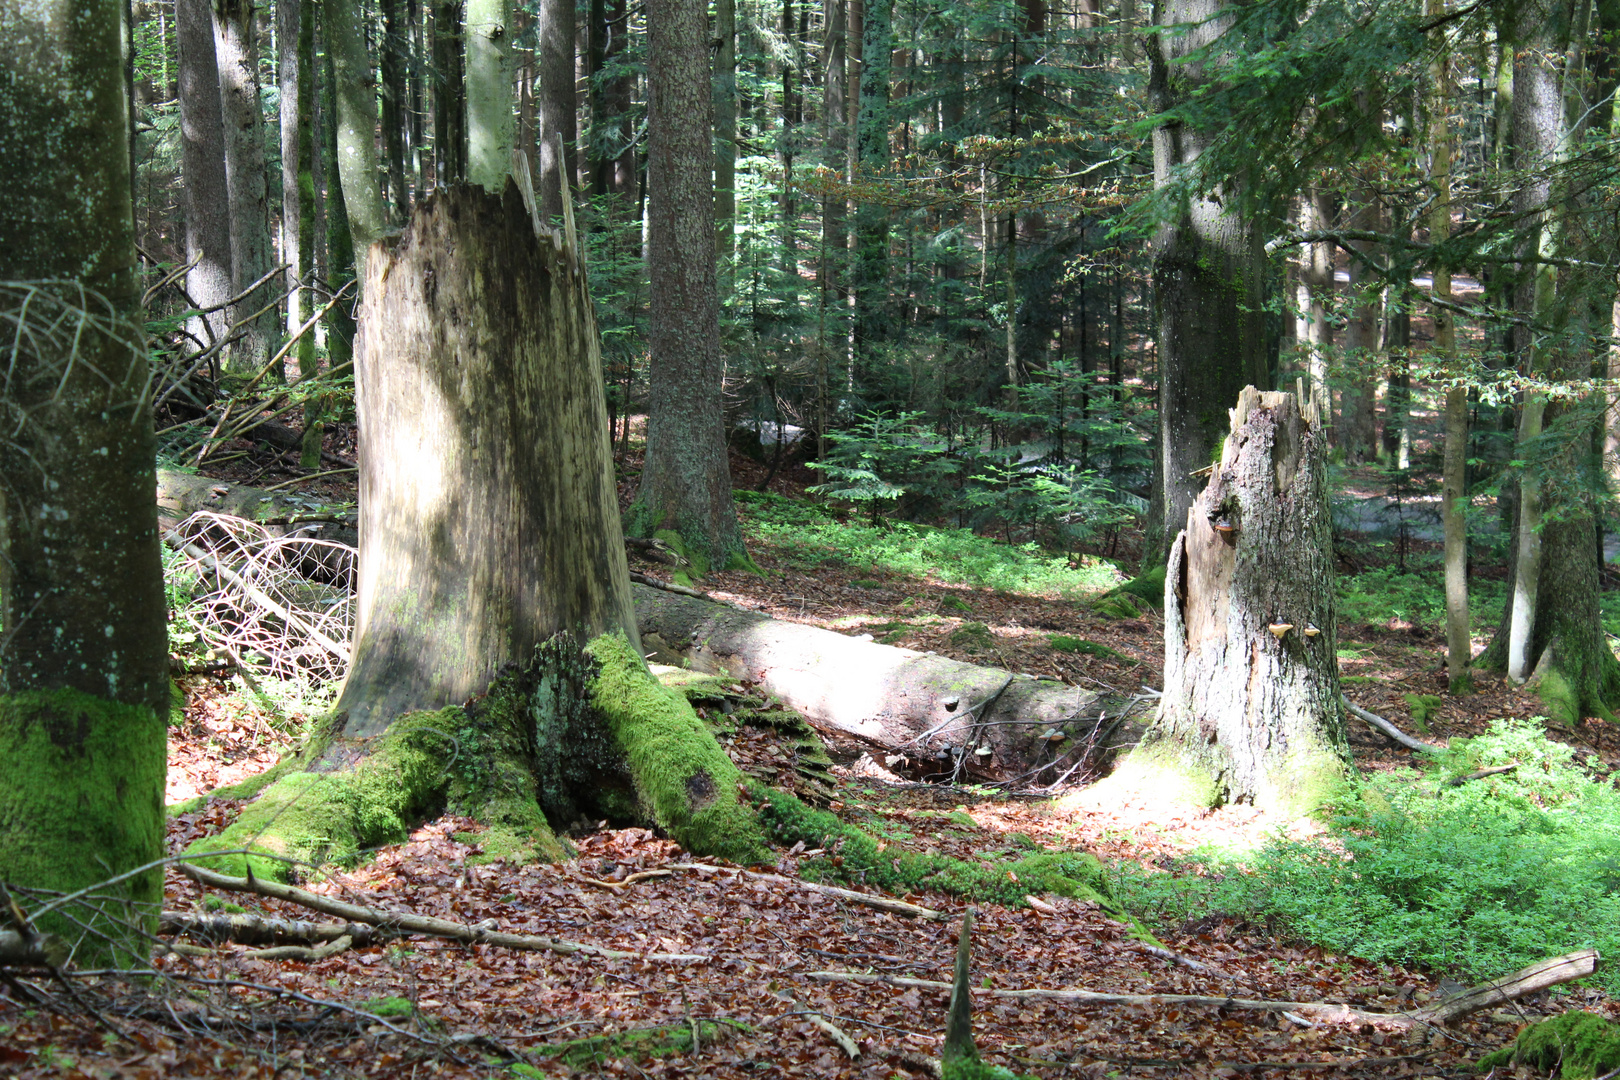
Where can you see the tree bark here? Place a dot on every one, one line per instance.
(871, 271)
(725, 126)
(491, 124)
(906, 702)
(1358, 412)
(559, 128)
(84, 689)
(686, 481)
(354, 119)
(391, 69)
(482, 422)
(449, 95)
(1207, 277)
(202, 156)
(295, 32)
(1252, 711)
(236, 47)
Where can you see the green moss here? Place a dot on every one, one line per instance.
(655, 1042)
(858, 858)
(954, 603)
(81, 800)
(972, 637)
(683, 778)
(1148, 586)
(1423, 707)
(1580, 1045)
(389, 1008)
(1462, 685)
(1067, 644)
(1562, 701)
(1118, 606)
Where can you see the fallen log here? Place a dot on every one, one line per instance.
(182, 494)
(250, 929)
(1536, 977)
(927, 708)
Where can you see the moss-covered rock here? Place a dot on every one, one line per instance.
(1580, 1045)
(81, 800)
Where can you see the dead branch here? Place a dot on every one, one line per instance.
(425, 925)
(19, 949)
(1548, 973)
(882, 903)
(1378, 722)
(250, 929)
(303, 953)
(1459, 781)
(679, 590)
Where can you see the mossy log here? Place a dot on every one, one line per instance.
(907, 702)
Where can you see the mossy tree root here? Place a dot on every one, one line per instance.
(578, 731)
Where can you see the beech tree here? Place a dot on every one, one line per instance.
(202, 149)
(84, 687)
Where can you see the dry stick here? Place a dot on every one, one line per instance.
(1548, 973)
(303, 952)
(295, 481)
(620, 886)
(250, 929)
(426, 925)
(680, 590)
(833, 1031)
(1391, 730)
(882, 903)
(1459, 781)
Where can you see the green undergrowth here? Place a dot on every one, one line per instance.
(1386, 594)
(1476, 879)
(807, 535)
(856, 857)
(1067, 644)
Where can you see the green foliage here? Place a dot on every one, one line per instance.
(1477, 879)
(1580, 1045)
(806, 536)
(1418, 597)
(1068, 644)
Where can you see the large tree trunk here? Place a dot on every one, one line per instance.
(492, 573)
(1208, 277)
(202, 167)
(686, 481)
(84, 689)
(911, 704)
(1252, 711)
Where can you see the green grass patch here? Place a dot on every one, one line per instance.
(1476, 880)
(807, 535)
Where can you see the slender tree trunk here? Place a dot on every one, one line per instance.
(355, 121)
(449, 95)
(392, 69)
(725, 127)
(1454, 478)
(1316, 290)
(833, 264)
(559, 130)
(340, 325)
(84, 684)
(1358, 413)
(872, 317)
(686, 481)
(491, 125)
(296, 34)
(236, 48)
(202, 156)
(1252, 710)
(1207, 278)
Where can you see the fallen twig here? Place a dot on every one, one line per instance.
(250, 929)
(620, 886)
(1459, 781)
(305, 953)
(425, 925)
(680, 590)
(1176, 958)
(1548, 973)
(1390, 729)
(882, 903)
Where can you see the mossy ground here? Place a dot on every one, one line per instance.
(1580, 1045)
(81, 800)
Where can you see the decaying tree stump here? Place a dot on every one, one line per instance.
(1252, 711)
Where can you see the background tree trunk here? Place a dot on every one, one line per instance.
(449, 96)
(555, 98)
(354, 86)
(202, 156)
(483, 433)
(725, 126)
(1249, 716)
(491, 123)
(686, 481)
(236, 47)
(84, 685)
(1208, 271)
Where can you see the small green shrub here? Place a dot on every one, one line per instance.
(1479, 879)
(1067, 644)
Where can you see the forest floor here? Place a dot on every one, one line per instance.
(760, 1003)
